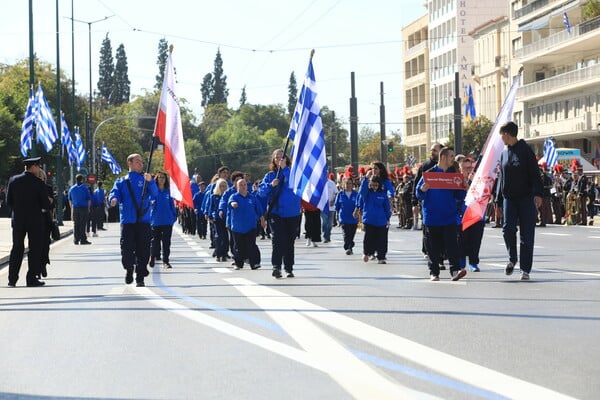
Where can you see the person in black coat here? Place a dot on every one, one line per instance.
(27, 196)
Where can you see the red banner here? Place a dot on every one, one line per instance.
(444, 180)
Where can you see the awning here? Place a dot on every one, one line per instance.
(535, 24)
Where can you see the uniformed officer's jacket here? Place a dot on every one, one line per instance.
(127, 208)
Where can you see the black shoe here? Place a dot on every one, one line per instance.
(158, 258)
(75, 242)
(276, 274)
(44, 271)
(145, 273)
(349, 252)
(12, 284)
(140, 284)
(166, 265)
(129, 276)
(35, 283)
(85, 242)
(290, 274)
(442, 267)
(509, 268)
(151, 263)
(257, 266)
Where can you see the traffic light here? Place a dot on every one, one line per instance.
(390, 146)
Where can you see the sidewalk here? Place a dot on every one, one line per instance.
(6, 238)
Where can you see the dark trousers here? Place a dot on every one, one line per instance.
(283, 233)
(523, 212)
(469, 242)
(80, 220)
(96, 218)
(245, 248)
(201, 226)
(349, 231)
(135, 247)
(312, 225)
(35, 235)
(440, 239)
(375, 240)
(221, 238)
(161, 238)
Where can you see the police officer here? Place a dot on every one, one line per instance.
(134, 207)
(27, 197)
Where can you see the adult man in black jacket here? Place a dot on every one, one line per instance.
(27, 197)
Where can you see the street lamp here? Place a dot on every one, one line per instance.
(98, 127)
(88, 127)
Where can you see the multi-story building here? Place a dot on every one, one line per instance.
(560, 94)
(491, 43)
(416, 88)
(451, 51)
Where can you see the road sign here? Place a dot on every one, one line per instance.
(91, 178)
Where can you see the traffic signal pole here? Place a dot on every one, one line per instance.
(383, 145)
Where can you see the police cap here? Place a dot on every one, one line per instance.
(28, 162)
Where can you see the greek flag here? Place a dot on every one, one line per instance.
(46, 128)
(470, 104)
(27, 126)
(550, 153)
(66, 140)
(411, 160)
(110, 160)
(308, 174)
(79, 150)
(566, 22)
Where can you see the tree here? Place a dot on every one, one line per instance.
(214, 86)
(474, 135)
(292, 95)
(121, 83)
(106, 70)
(243, 97)
(163, 55)
(265, 118)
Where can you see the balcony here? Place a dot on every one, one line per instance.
(529, 8)
(548, 43)
(569, 81)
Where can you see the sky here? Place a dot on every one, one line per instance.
(261, 43)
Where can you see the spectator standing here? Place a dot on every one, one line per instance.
(81, 204)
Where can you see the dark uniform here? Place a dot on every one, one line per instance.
(27, 197)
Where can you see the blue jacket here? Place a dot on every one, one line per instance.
(345, 206)
(440, 206)
(98, 197)
(162, 209)
(198, 200)
(288, 203)
(243, 218)
(376, 205)
(213, 206)
(223, 205)
(120, 191)
(79, 195)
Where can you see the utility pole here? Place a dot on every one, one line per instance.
(457, 117)
(59, 171)
(32, 75)
(383, 145)
(353, 126)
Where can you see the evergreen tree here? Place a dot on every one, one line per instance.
(243, 97)
(220, 91)
(106, 69)
(121, 84)
(163, 54)
(206, 90)
(292, 95)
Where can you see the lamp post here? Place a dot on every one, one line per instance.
(98, 127)
(89, 118)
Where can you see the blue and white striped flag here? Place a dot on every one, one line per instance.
(308, 174)
(110, 160)
(411, 160)
(566, 22)
(470, 112)
(27, 126)
(67, 141)
(80, 151)
(550, 153)
(46, 128)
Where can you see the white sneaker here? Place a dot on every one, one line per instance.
(308, 243)
(314, 244)
(94, 234)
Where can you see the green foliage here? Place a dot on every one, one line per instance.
(163, 55)
(265, 118)
(590, 10)
(474, 135)
(214, 86)
(106, 70)
(243, 97)
(292, 95)
(121, 83)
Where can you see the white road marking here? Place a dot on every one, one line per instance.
(443, 363)
(316, 362)
(202, 254)
(555, 234)
(222, 270)
(569, 272)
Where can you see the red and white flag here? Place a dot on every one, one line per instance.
(480, 191)
(169, 131)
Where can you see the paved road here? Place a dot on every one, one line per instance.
(341, 329)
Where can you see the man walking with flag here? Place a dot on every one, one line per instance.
(520, 191)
